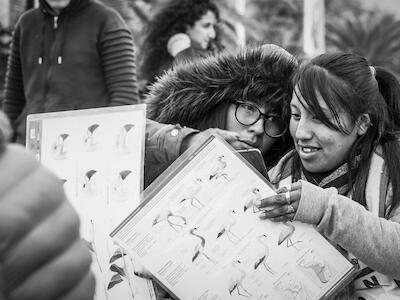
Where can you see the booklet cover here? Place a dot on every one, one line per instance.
(98, 154)
(199, 235)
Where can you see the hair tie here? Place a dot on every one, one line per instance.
(373, 71)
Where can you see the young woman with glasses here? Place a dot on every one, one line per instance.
(247, 92)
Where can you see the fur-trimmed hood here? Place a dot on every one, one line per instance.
(187, 93)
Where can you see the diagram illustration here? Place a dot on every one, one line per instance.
(122, 184)
(291, 288)
(249, 202)
(199, 249)
(317, 265)
(226, 228)
(176, 222)
(286, 235)
(190, 194)
(122, 138)
(89, 184)
(236, 280)
(90, 140)
(218, 170)
(59, 150)
(120, 273)
(262, 256)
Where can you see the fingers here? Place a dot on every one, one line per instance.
(47, 240)
(282, 206)
(292, 187)
(59, 277)
(84, 290)
(281, 199)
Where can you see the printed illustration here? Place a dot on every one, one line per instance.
(91, 140)
(89, 184)
(218, 169)
(291, 288)
(190, 194)
(59, 150)
(236, 280)
(286, 235)
(226, 228)
(200, 246)
(122, 143)
(122, 184)
(176, 222)
(319, 268)
(118, 266)
(262, 256)
(249, 202)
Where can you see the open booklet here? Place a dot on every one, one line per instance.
(198, 233)
(98, 154)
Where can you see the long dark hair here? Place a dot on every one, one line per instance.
(173, 17)
(348, 83)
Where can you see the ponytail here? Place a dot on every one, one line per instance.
(389, 89)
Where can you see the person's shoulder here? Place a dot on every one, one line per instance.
(30, 16)
(104, 10)
(106, 14)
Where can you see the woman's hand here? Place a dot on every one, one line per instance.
(283, 205)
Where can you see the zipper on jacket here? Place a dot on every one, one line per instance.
(55, 22)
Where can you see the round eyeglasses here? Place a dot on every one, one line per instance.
(249, 114)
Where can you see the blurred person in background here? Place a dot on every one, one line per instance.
(179, 30)
(65, 55)
(247, 93)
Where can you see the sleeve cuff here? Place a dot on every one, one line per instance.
(313, 203)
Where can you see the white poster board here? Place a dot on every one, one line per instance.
(198, 233)
(98, 154)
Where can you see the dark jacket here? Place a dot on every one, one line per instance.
(83, 58)
(195, 94)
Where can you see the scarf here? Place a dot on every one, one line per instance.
(340, 178)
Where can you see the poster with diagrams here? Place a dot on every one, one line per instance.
(98, 154)
(199, 234)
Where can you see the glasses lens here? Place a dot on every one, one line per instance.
(247, 114)
(274, 126)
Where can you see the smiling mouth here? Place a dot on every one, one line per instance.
(308, 150)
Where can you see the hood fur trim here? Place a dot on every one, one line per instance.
(188, 92)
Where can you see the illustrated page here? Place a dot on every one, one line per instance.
(199, 234)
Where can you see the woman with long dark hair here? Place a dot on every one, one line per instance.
(343, 176)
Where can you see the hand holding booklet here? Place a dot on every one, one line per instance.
(200, 236)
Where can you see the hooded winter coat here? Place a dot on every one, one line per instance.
(81, 58)
(197, 94)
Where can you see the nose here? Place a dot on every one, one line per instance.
(257, 127)
(212, 33)
(302, 130)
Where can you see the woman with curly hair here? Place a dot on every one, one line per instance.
(180, 30)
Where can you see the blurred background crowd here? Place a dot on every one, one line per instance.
(370, 28)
